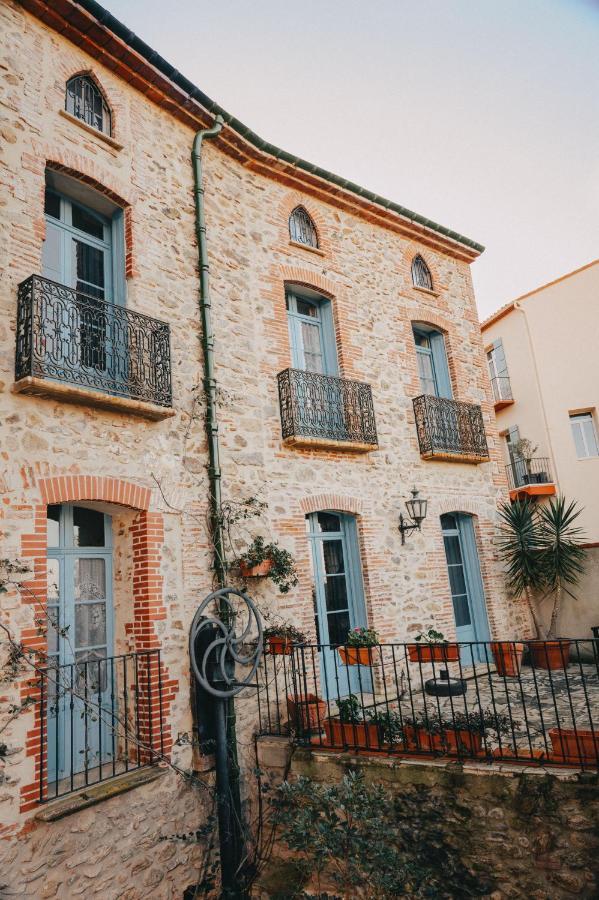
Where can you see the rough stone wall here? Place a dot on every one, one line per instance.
(532, 834)
(362, 267)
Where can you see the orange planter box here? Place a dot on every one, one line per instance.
(356, 656)
(508, 657)
(307, 711)
(343, 734)
(574, 746)
(449, 741)
(279, 646)
(433, 652)
(258, 571)
(550, 654)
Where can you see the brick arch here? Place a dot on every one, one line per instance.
(428, 317)
(461, 504)
(340, 502)
(295, 198)
(309, 278)
(70, 488)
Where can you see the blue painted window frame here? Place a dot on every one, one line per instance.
(437, 353)
(323, 320)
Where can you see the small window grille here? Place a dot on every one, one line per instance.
(84, 100)
(302, 228)
(421, 276)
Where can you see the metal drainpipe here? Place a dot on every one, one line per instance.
(229, 764)
(214, 472)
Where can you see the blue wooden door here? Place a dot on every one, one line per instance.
(80, 644)
(433, 369)
(466, 585)
(338, 598)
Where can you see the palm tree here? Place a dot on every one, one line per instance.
(521, 549)
(562, 554)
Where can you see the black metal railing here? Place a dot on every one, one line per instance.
(522, 472)
(450, 428)
(323, 406)
(99, 718)
(65, 335)
(535, 703)
(502, 388)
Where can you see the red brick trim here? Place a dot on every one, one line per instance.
(89, 73)
(147, 532)
(320, 502)
(424, 316)
(309, 278)
(70, 488)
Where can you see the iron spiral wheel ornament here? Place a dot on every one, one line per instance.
(218, 647)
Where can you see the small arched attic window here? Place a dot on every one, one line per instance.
(84, 100)
(301, 228)
(421, 274)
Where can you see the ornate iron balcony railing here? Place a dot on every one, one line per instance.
(523, 472)
(315, 406)
(67, 336)
(450, 429)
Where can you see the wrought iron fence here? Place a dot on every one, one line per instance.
(502, 388)
(450, 428)
(68, 336)
(521, 472)
(99, 718)
(535, 703)
(323, 406)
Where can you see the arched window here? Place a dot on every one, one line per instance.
(84, 100)
(302, 228)
(421, 275)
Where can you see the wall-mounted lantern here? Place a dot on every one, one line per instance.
(416, 508)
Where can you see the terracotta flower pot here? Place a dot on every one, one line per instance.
(279, 646)
(550, 654)
(307, 711)
(451, 740)
(362, 735)
(508, 657)
(356, 656)
(433, 652)
(575, 746)
(258, 571)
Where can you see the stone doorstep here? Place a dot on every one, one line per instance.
(68, 393)
(92, 794)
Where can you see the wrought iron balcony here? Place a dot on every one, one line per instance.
(321, 410)
(65, 337)
(502, 391)
(530, 476)
(450, 430)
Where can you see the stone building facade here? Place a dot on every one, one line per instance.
(74, 449)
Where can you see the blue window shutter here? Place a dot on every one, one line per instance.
(437, 342)
(117, 229)
(474, 578)
(328, 338)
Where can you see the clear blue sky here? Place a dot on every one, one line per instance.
(480, 114)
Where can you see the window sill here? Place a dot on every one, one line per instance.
(443, 456)
(65, 806)
(316, 443)
(92, 131)
(307, 247)
(70, 393)
(423, 290)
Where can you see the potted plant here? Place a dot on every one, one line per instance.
(542, 549)
(348, 728)
(307, 711)
(358, 647)
(575, 745)
(433, 646)
(524, 451)
(508, 657)
(269, 560)
(460, 732)
(279, 639)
